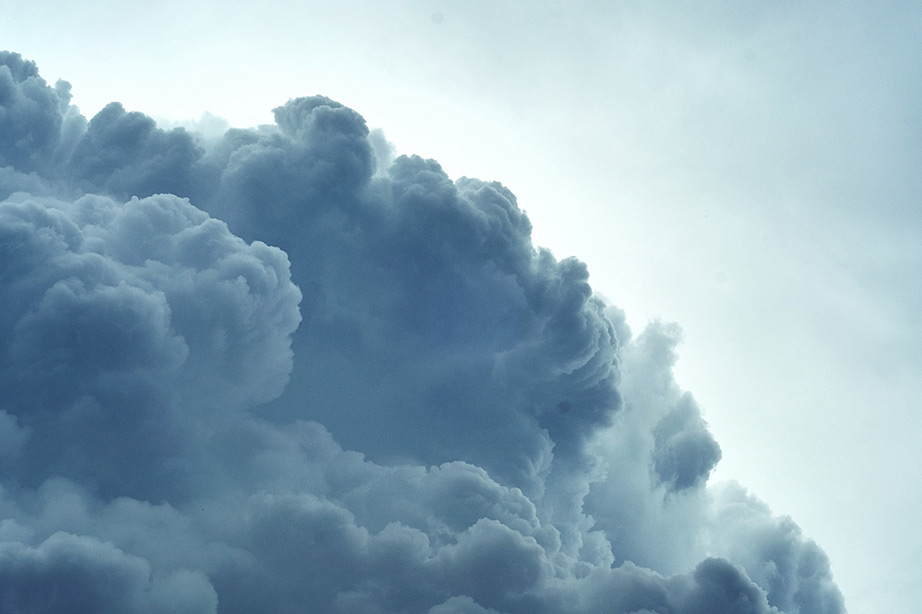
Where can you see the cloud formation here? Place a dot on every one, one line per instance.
(278, 371)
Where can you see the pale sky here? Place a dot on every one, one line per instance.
(747, 171)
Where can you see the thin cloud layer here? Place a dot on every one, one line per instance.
(278, 371)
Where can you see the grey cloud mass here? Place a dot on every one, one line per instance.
(278, 371)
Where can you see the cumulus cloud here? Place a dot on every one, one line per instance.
(280, 369)
(68, 573)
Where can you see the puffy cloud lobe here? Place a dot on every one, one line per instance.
(37, 123)
(116, 315)
(656, 460)
(714, 585)
(460, 605)
(278, 551)
(125, 154)
(524, 452)
(271, 185)
(793, 570)
(418, 266)
(76, 333)
(296, 547)
(725, 521)
(68, 573)
(684, 451)
(721, 588)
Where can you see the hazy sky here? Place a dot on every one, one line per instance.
(749, 172)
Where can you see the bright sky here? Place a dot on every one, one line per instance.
(749, 171)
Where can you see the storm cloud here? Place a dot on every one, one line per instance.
(279, 371)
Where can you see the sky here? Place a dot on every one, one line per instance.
(743, 177)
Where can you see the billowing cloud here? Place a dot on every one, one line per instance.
(280, 371)
(67, 573)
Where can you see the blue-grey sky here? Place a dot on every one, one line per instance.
(747, 172)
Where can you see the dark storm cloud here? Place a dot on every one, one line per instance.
(37, 125)
(66, 573)
(115, 317)
(684, 451)
(125, 154)
(409, 409)
(400, 268)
